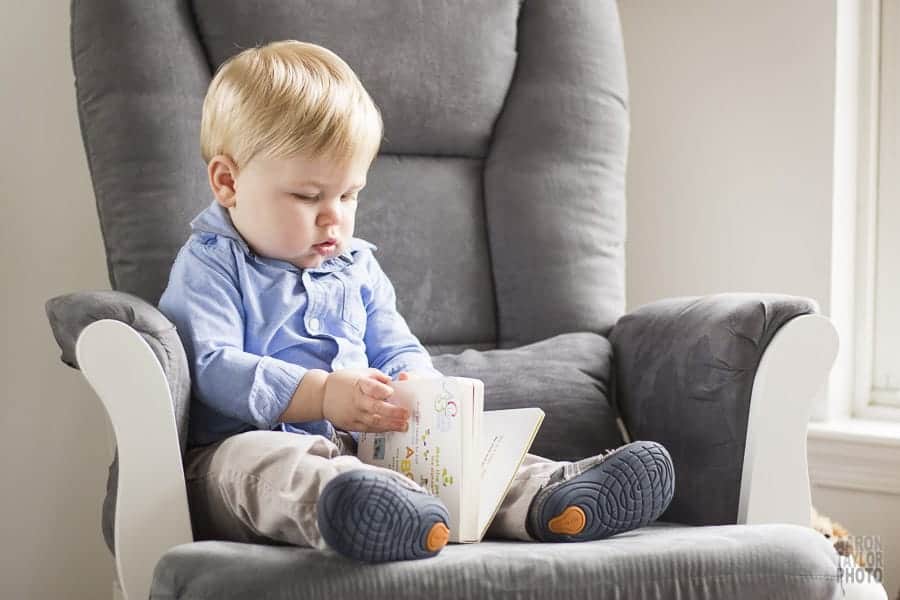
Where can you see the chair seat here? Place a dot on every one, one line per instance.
(661, 561)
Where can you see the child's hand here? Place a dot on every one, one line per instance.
(404, 375)
(354, 400)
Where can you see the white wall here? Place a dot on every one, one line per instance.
(53, 443)
(730, 169)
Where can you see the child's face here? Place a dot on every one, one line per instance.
(284, 207)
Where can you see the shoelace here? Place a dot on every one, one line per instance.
(607, 453)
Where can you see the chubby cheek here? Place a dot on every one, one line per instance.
(349, 222)
(293, 230)
(295, 238)
(346, 231)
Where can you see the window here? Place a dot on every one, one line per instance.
(886, 334)
(878, 299)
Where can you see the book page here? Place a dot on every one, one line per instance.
(429, 453)
(472, 414)
(506, 437)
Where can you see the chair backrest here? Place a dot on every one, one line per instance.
(497, 201)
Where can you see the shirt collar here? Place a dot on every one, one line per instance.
(215, 220)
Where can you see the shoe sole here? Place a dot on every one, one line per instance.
(371, 517)
(630, 488)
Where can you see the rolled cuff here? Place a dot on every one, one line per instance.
(274, 385)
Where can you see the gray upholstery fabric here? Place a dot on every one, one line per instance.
(439, 92)
(566, 375)
(555, 177)
(505, 146)
(684, 370)
(441, 200)
(659, 562)
(140, 78)
(69, 314)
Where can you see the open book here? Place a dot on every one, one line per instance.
(454, 449)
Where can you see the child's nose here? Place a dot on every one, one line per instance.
(330, 211)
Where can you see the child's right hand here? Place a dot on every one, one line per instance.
(355, 400)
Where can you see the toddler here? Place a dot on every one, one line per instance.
(293, 339)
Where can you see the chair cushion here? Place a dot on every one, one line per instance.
(660, 561)
(502, 165)
(566, 375)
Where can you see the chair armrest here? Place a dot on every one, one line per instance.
(70, 314)
(684, 372)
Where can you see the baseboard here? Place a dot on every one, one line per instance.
(855, 455)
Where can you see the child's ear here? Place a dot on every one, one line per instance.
(222, 172)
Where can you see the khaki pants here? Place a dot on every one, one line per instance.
(262, 487)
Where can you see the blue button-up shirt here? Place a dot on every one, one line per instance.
(252, 326)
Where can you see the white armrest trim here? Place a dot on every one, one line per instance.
(775, 477)
(151, 501)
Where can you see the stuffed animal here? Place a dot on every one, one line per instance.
(842, 542)
(837, 533)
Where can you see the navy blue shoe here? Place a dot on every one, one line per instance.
(372, 517)
(601, 496)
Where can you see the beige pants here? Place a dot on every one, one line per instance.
(262, 487)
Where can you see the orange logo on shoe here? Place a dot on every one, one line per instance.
(568, 522)
(437, 537)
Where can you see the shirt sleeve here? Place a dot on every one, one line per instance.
(390, 345)
(203, 300)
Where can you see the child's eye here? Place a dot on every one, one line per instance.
(350, 197)
(307, 198)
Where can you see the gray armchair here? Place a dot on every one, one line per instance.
(498, 207)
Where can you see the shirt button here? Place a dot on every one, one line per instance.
(313, 324)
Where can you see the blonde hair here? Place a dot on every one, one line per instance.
(288, 98)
